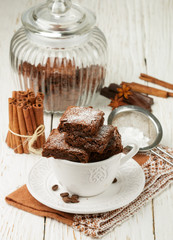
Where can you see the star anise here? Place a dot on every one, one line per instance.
(117, 102)
(124, 91)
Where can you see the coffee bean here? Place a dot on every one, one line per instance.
(74, 200)
(66, 199)
(65, 194)
(75, 196)
(55, 187)
(115, 180)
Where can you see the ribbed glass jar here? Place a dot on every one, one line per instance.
(67, 64)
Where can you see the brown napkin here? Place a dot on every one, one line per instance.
(158, 175)
(22, 199)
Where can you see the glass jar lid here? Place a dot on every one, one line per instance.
(58, 19)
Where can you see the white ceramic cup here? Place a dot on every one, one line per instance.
(89, 179)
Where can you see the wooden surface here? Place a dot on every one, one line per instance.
(140, 37)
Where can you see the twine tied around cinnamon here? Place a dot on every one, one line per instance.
(31, 139)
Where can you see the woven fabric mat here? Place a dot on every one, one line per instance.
(158, 175)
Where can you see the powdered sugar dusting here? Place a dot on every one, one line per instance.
(134, 134)
(83, 114)
(105, 130)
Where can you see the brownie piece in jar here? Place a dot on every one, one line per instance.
(114, 147)
(56, 147)
(82, 119)
(96, 143)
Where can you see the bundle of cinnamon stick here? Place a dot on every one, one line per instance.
(25, 115)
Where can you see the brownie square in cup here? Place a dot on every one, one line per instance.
(82, 119)
(56, 147)
(114, 147)
(96, 143)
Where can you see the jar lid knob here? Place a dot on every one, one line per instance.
(59, 6)
(58, 19)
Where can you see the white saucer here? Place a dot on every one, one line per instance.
(131, 180)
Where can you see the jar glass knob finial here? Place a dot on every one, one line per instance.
(59, 6)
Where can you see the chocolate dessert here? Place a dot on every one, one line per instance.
(96, 143)
(57, 147)
(86, 120)
(82, 137)
(113, 147)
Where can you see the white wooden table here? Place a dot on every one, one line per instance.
(140, 37)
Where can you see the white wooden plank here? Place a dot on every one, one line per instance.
(162, 204)
(163, 212)
(158, 22)
(14, 168)
(55, 120)
(47, 123)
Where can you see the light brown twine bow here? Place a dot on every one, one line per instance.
(31, 139)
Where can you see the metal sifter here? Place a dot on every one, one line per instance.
(134, 117)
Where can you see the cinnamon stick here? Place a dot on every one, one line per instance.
(38, 112)
(10, 141)
(148, 90)
(30, 91)
(34, 125)
(11, 100)
(13, 142)
(31, 98)
(22, 126)
(39, 100)
(154, 80)
(22, 94)
(13, 137)
(9, 137)
(14, 94)
(170, 94)
(28, 121)
(23, 100)
(18, 140)
(40, 94)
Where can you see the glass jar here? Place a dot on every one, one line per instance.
(59, 51)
